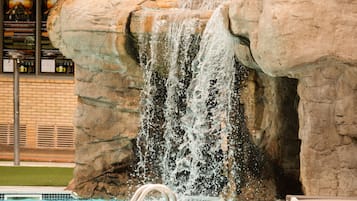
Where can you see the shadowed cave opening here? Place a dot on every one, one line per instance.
(276, 118)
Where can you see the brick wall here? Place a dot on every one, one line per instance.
(47, 106)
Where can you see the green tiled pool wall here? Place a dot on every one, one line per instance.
(39, 196)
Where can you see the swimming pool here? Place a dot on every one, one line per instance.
(35, 193)
(35, 196)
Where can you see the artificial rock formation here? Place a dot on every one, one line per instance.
(327, 113)
(286, 37)
(314, 42)
(311, 41)
(108, 83)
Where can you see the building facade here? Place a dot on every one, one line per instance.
(46, 86)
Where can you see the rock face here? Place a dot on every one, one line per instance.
(327, 114)
(108, 83)
(289, 37)
(313, 42)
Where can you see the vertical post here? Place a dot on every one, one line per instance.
(2, 13)
(38, 36)
(16, 113)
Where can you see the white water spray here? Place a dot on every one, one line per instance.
(185, 139)
(206, 122)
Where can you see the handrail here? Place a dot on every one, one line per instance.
(144, 190)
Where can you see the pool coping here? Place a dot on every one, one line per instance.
(37, 164)
(318, 198)
(32, 189)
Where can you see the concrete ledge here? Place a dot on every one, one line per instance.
(33, 189)
(318, 198)
(37, 164)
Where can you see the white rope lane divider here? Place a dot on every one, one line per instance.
(144, 190)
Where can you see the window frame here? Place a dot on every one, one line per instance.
(38, 57)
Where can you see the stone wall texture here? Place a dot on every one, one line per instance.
(314, 42)
(286, 37)
(311, 41)
(327, 113)
(108, 84)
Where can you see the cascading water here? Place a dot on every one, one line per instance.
(167, 76)
(191, 135)
(206, 121)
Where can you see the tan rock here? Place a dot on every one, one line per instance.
(287, 34)
(167, 3)
(314, 42)
(346, 104)
(326, 119)
(142, 20)
(108, 82)
(73, 22)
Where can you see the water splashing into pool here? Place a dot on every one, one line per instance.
(206, 121)
(191, 137)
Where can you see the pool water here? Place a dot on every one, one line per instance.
(69, 196)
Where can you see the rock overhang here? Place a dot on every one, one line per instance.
(289, 37)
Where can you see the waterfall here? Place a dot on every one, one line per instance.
(207, 121)
(190, 104)
(167, 75)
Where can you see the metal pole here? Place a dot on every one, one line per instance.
(16, 114)
(1, 33)
(16, 55)
(38, 36)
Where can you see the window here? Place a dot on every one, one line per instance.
(23, 29)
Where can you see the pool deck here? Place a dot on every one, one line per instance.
(37, 164)
(32, 189)
(318, 198)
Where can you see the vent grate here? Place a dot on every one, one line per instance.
(54, 136)
(45, 136)
(4, 133)
(7, 134)
(65, 136)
